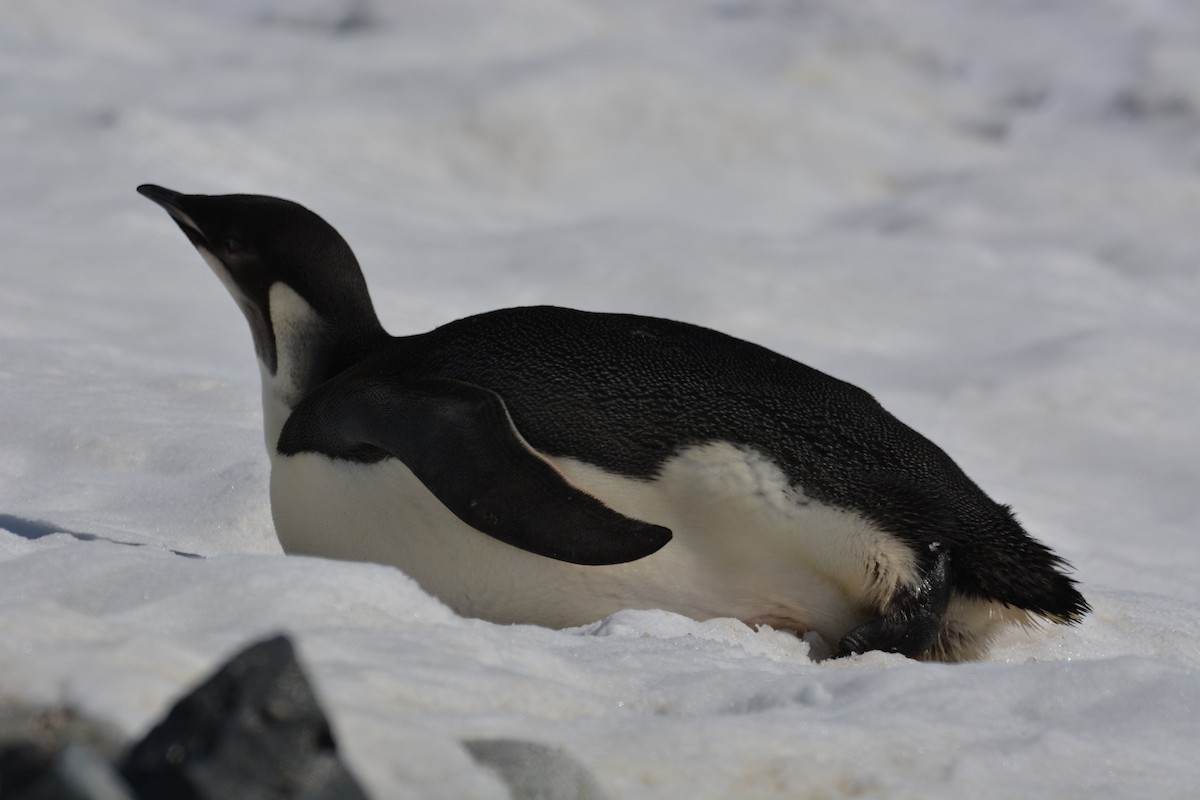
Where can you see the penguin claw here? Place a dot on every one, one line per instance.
(912, 624)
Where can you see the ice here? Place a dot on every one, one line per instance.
(983, 213)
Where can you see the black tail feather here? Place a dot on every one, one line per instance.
(994, 558)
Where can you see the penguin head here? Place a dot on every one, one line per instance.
(294, 277)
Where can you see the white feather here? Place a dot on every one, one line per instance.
(745, 545)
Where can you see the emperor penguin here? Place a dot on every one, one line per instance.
(551, 466)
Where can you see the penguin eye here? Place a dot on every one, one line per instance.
(233, 245)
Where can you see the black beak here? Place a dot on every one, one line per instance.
(173, 202)
(164, 197)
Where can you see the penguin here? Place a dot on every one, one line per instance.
(552, 466)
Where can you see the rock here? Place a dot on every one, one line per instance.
(56, 754)
(535, 771)
(49, 728)
(72, 773)
(253, 731)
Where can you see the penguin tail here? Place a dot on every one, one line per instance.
(1000, 561)
(991, 555)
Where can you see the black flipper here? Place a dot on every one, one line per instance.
(912, 623)
(459, 441)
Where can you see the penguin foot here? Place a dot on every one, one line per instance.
(914, 619)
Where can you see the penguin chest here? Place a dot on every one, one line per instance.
(382, 513)
(745, 544)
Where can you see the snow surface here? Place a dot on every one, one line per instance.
(987, 214)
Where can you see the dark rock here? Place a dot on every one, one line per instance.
(253, 731)
(72, 773)
(56, 753)
(534, 771)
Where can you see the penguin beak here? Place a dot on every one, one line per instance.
(174, 202)
(166, 198)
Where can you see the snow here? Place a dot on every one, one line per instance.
(984, 213)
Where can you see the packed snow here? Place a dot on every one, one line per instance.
(986, 214)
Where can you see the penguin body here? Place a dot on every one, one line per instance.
(550, 466)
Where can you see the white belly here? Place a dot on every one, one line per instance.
(744, 546)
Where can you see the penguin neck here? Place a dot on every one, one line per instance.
(307, 350)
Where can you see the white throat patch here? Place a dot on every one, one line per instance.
(222, 272)
(300, 337)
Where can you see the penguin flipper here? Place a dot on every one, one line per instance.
(459, 441)
(913, 621)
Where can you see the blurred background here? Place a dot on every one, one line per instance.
(985, 213)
